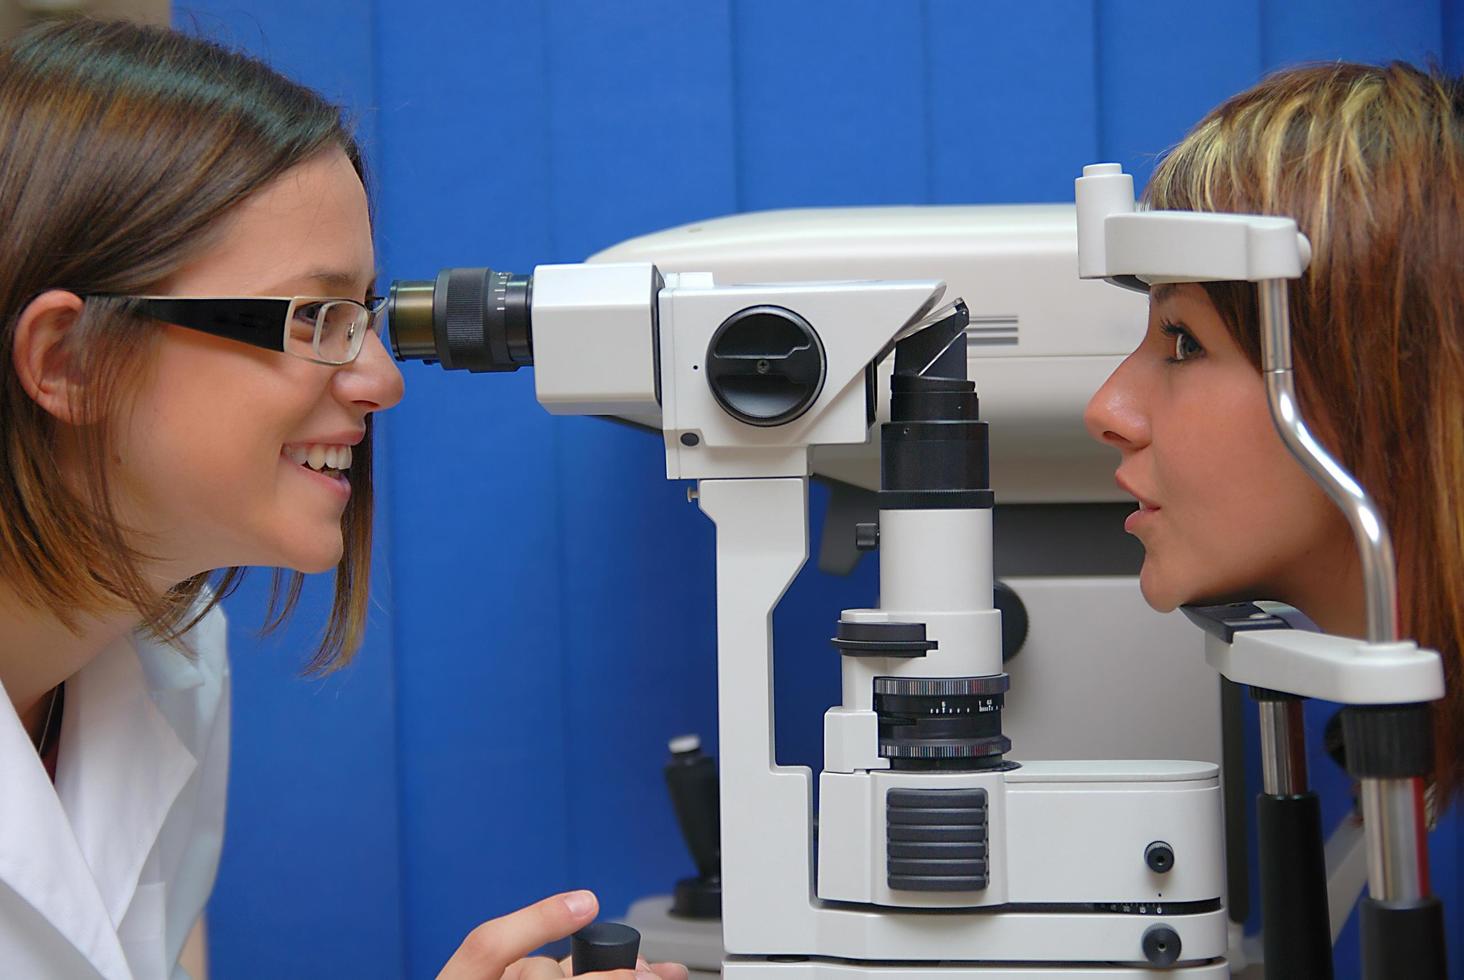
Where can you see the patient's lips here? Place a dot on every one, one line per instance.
(1147, 508)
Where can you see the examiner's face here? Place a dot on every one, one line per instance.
(204, 462)
(1224, 511)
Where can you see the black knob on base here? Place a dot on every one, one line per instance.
(1161, 945)
(604, 946)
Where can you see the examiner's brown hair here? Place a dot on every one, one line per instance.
(1370, 162)
(122, 149)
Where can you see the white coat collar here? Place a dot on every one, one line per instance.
(75, 850)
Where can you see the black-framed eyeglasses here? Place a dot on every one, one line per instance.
(323, 329)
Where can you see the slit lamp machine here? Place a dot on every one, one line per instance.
(951, 836)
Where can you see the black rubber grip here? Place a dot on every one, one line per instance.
(943, 798)
(1403, 939)
(1388, 741)
(954, 851)
(955, 834)
(1296, 931)
(935, 868)
(941, 817)
(920, 883)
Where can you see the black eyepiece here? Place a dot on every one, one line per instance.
(468, 319)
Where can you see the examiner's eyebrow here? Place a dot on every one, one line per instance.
(334, 280)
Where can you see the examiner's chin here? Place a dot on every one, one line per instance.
(326, 559)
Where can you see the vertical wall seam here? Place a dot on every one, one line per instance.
(561, 645)
(546, 82)
(1443, 25)
(559, 472)
(388, 525)
(734, 94)
(1100, 135)
(1265, 45)
(928, 95)
(1447, 56)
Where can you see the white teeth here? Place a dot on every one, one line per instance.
(319, 456)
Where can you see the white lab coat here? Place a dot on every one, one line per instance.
(106, 872)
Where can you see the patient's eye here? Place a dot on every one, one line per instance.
(1186, 347)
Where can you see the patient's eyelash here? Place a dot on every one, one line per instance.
(1186, 347)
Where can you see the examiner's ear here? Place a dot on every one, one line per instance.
(43, 359)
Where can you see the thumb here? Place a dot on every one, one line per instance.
(492, 946)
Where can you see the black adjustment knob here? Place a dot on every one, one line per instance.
(765, 365)
(1014, 622)
(604, 946)
(866, 536)
(691, 778)
(1161, 945)
(1159, 856)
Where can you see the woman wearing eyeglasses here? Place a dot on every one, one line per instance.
(187, 310)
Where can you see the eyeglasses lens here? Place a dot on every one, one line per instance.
(327, 331)
(341, 328)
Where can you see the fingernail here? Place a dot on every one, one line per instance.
(580, 903)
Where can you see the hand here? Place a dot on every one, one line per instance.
(496, 949)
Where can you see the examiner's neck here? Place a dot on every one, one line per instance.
(38, 651)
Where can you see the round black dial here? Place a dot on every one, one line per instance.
(765, 365)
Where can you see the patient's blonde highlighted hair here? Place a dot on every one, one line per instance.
(1370, 162)
(122, 149)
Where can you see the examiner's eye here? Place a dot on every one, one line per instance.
(1186, 347)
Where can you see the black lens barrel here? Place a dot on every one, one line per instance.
(934, 450)
(468, 319)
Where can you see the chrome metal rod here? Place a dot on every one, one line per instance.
(1392, 821)
(1283, 748)
(1379, 574)
(1392, 809)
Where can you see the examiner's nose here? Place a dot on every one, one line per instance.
(372, 382)
(1115, 414)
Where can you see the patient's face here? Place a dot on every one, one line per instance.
(1224, 510)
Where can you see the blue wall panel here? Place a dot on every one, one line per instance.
(1013, 90)
(641, 129)
(1162, 66)
(1453, 35)
(465, 181)
(1351, 30)
(545, 595)
(641, 138)
(830, 102)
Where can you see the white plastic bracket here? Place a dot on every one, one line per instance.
(1333, 668)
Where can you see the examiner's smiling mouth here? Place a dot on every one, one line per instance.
(320, 456)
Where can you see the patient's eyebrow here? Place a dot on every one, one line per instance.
(1161, 291)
